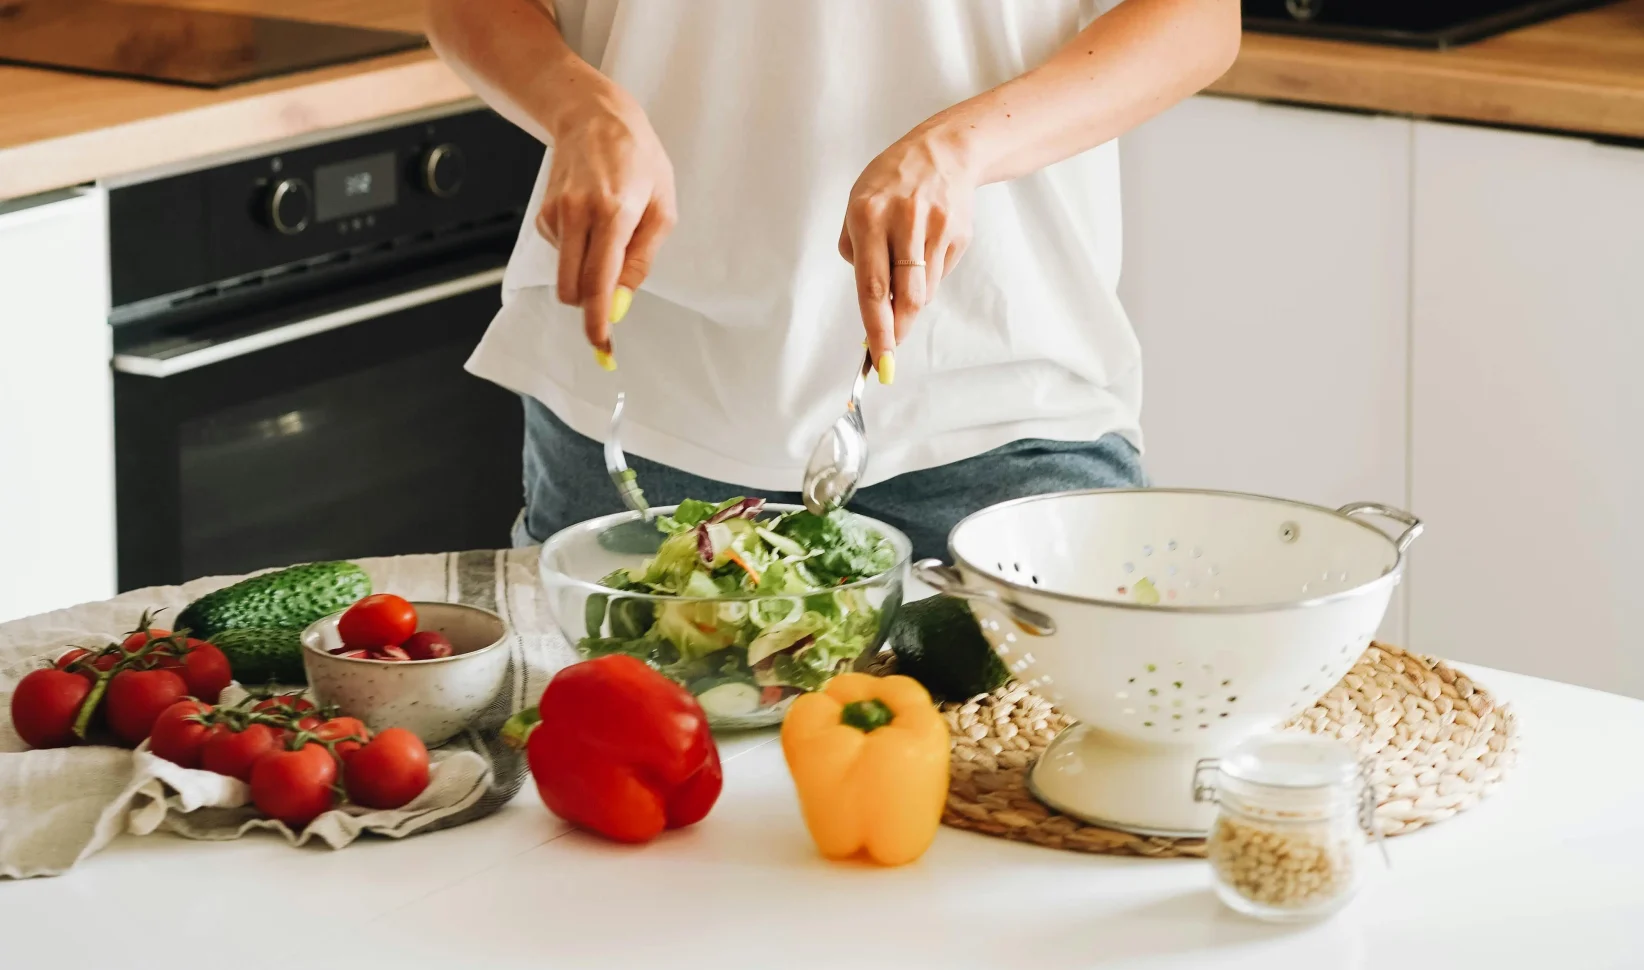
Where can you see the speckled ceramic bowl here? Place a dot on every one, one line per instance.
(434, 699)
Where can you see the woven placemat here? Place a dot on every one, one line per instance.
(1439, 742)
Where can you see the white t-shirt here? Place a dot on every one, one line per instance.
(740, 347)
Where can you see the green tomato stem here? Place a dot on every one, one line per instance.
(516, 731)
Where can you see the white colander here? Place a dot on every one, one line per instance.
(1172, 624)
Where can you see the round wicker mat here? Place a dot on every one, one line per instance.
(1439, 741)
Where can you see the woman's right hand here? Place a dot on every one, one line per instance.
(609, 205)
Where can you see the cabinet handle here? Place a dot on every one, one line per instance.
(1412, 525)
(143, 366)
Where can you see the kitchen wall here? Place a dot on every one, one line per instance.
(1342, 306)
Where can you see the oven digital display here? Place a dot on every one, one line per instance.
(352, 187)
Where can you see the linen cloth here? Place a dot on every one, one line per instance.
(60, 806)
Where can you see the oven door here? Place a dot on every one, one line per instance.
(337, 428)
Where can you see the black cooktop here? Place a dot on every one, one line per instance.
(1435, 24)
(197, 48)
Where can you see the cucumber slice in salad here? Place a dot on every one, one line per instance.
(731, 699)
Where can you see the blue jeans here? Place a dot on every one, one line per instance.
(565, 482)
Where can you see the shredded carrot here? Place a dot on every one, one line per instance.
(736, 557)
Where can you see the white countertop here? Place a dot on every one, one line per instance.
(1549, 872)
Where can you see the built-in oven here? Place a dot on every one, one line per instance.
(289, 336)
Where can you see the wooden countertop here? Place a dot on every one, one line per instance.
(1581, 73)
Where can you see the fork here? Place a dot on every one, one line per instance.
(638, 536)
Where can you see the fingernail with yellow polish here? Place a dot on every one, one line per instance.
(604, 359)
(621, 300)
(887, 368)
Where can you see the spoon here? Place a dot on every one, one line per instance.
(635, 536)
(840, 458)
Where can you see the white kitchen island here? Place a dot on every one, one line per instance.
(1549, 872)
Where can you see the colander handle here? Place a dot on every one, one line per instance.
(948, 581)
(1412, 525)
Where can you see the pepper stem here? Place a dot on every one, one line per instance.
(866, 716)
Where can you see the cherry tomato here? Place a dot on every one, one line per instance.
(44, 706)
(294, 786)
(355, 654)
(235, 753)
(292, 703)
(427, 645)
(339, 728)
(134, 642)
(67, 660)
(177, 736)
(136, 697)
(390, 652)
(389, 772)
(206, 670)
(377, 621)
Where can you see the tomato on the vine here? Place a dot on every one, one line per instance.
(135, 641)
(294, 786)
(235, 753)
(296, 708)
(389, 772)
(206, 670)
(67, 660)
(44, 706)
(135, 699)
(178, 736)
(337, 730)
(293, 702)
(379, 620)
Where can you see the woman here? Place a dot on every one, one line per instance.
(710, 161)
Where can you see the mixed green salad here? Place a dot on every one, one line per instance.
(765, 605)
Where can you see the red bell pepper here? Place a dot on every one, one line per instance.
(623, 751)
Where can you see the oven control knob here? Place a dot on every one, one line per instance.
(442, 171)
(290, 205)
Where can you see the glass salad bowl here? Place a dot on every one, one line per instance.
(746, 605)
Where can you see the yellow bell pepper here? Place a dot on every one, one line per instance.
(869, 757)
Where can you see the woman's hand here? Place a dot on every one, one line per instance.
(907, 224)
(609, 204)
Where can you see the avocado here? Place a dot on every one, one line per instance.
(290, 598)
(938, 643)
(263, 655)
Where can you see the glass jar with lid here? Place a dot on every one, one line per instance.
(1293, 814)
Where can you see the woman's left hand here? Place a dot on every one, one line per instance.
(907, 224)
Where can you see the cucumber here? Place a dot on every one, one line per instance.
(291, 598)
(263, 655)
(734, 698)
(937, 642)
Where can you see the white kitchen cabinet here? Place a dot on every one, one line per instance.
(1266, 270)
(56, 408)
(1528, 444)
